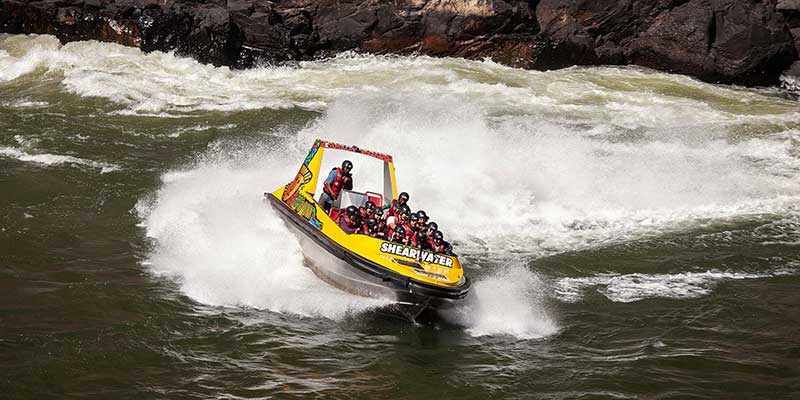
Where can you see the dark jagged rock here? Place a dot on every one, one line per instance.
(734, 41)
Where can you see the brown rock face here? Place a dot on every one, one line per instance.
(734, 41)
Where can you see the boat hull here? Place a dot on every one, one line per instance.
(350, 272)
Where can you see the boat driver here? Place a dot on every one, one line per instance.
(339, 178)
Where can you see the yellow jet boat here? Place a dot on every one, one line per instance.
(358, 263)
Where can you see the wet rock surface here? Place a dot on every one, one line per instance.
(728, 41)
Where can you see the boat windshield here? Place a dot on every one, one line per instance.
(371, 178)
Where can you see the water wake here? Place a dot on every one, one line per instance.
(56, 159)
(628, 288)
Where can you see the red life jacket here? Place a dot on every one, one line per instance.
(430, 244)
(411, 236)
(393, 211)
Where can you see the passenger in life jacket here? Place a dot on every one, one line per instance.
(399, 235)
(401, 219)
(394, 209)
(367, 211)
(430, 229)
(381, 228)
(378, 214)
(413, 222)
(423, 217)
(338, 179)
(349, 221)
(418, 240)
(410, 225)
(366, 225)
(394, 220)
(373, 229)
(440, 245)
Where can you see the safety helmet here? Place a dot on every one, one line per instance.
(405, 209)
(347, 165)
(371, 222)
(422, 215)
(369, 205)
(351, 211)
(378, 212)
(438, 236)
(413, 217)
(433, 225)
(400, 231)
(404, 212)
(403, 196)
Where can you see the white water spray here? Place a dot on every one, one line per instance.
(225, 246)
(506, 161)
(510, 301)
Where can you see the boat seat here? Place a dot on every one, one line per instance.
(375, 198)
(334, 213)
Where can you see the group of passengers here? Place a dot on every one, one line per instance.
(395, 223)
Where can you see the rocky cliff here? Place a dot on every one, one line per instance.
(732, 41)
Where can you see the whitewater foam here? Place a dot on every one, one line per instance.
(56, 159)
(508, 302)
(626, 288)
(163, 84)
(23, 103)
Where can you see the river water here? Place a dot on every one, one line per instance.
(629, 233)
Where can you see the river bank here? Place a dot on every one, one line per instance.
(740, 42)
